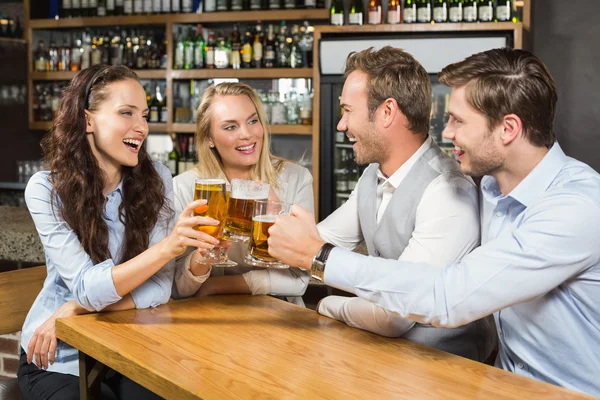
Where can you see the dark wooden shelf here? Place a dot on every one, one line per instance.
(68, 75)
(245, 73)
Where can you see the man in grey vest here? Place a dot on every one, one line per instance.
(412, 203)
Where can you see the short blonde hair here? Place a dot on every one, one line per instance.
(268, 167)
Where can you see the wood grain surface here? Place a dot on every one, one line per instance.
(258, 347)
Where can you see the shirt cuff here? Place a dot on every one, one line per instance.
(342, 269)
(98, 288)
(258, 281)
(188, 272)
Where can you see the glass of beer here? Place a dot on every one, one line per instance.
(214, 191)
(238, 223)
(263, 217)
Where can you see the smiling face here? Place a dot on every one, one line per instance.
(369, 145)
(236, 133)
(117, 126)
(477, 148)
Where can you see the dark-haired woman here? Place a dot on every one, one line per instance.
(103, 213)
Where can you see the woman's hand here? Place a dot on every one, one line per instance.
(184, 235)
(43, 343)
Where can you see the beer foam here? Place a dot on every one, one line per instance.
(215, 181)
(265, 218)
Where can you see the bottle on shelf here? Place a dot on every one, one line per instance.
(156, 6)
(356, 13)
(246, 52)
(53, 56)
(306, 109)
(101, 8)
(191, 154)
(186, 6)
(278, 111)
(127, 7)
(236, 48)
(222, 54)
(199, 48)
(65, 9)
(336, 12)
(155, 106)
(269, 50)
(274, 4)
(64, 56)
(166, 6)
(440, 10)
(76, 56)
(455, 10)
(75, 8)
(210, 50)
(257, 47)
(210, 5)
(306, 44)
(296, 60)
(164, 114)
(175, 6)
(42, 59)
(375, 13)
(222, 5)
(173, 158)
(138, 7)
(394, 12)
(188, 50)
(290, 4)
(424, 11)
(237, 5)
(485, 12)
(182, 163)
(504, 10)
(410, 11)
(292, 107)
(470, 11)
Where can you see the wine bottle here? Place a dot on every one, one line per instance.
(356, 13)
(455, 10)
(440, 10)
(410, 11)
(424, 11)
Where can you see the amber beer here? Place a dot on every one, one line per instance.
(259, 245)
(215, 192)
(238, 224)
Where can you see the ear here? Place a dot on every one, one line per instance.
(89, 117)
(389, 110)
(210, 143)
(512, 127)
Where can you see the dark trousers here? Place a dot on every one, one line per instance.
(37, 384)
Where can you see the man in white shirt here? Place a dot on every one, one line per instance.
(412, 203)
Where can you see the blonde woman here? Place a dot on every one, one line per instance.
(233, 141)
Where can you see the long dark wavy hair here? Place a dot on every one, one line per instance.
(78, 180)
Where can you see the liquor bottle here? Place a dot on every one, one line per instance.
(138, 7)
(179, 60)
(188, 50)
(455, 10)
(210, 5)
(140, 54)
(96, 51)
(222, 5)
(64, 56)
(470, 11)
(164, 114)
(210, 50)
(156, 6)
(166, 6)
(175, 6)
(486, 10)
(116, 50)
(186, 6)
(236, 47)
(110, 7)
(394, 13)
(199, 49)
(440, 10)
(75, 8)
(306, 109)
(173, 159)
(269, 59)
(306, 44)
(85, 8)
(424, 11)
(375, 14)
(503, 10)
(41, 57)
(257, 48)
(155, 106)
(128, 7)
(53, 56)
(128, 52)
(86, 49)
(336, 12)
(76, 56)
(356, 13)
(65, 10)
(295, 53)
(147, 9)
(255, 4)
(237, 5)
(410, 11)
(93, 8)
(274, 4)
(247, 49)
(289, 4)
(101, 9)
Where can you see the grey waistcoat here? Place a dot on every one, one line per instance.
(389, 238)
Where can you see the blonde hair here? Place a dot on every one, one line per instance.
(267, 168)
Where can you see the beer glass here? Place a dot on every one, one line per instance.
(214, 191)
(238, 223)
(263, 217)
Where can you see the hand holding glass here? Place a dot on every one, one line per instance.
(264, 215)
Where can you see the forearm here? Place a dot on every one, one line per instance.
(233, 284)
(131, 274)
(72, 308)
(185, 282)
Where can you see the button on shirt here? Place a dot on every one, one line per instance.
(72, 273)
(538, 271)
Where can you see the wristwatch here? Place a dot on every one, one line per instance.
(319, 261)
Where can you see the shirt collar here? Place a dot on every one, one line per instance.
(118, 189)
(398, 176)
(535, 183)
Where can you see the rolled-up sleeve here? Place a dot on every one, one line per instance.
(91, 284)
(157, 290)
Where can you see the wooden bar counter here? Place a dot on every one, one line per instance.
(258, 347)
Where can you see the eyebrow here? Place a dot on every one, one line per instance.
(233, 120)
(344, 105)
(134, 107)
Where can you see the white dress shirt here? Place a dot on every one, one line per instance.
(446, 228)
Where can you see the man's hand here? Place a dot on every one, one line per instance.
(294, 239)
